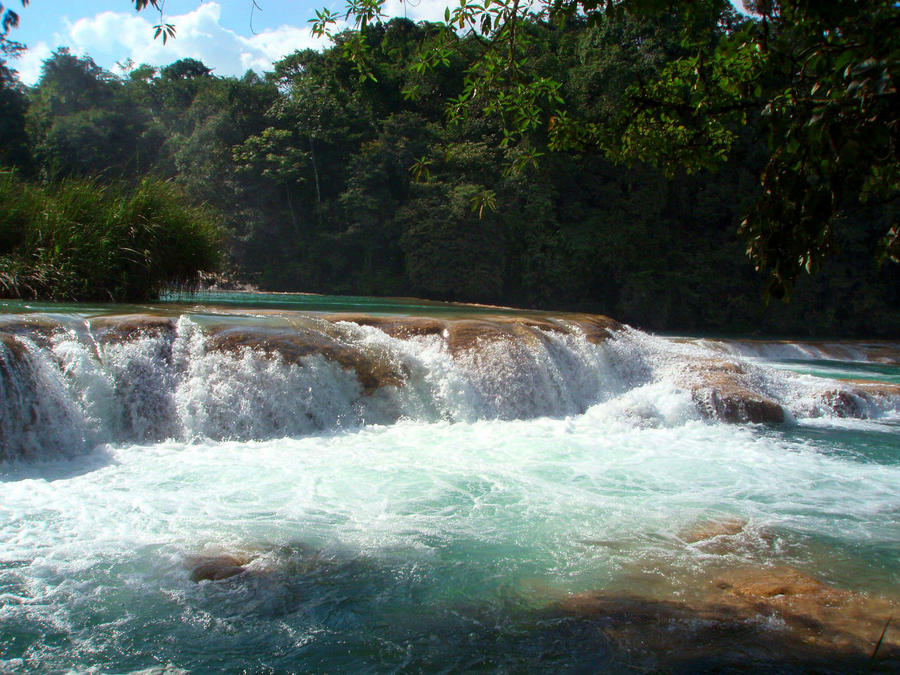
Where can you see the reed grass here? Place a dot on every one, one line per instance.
(83, 240)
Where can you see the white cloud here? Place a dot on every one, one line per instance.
(115, 37)
(111, 37)
(417, 10)
(29, 63)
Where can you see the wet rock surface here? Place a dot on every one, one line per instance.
(748, 620)
(373, 370)
(398, 327)
(217, 567)
(721, 392)
(36, 328)
(712, 529)
(116, 329)
(14, 346)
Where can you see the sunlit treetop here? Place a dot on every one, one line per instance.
(821, 77)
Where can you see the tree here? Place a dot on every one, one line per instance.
(820, 77)
(822, 80)
(80, 120)
(185, 69)
(13, 139)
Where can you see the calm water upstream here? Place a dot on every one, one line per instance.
(276, 483)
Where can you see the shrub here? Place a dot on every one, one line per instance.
(81, 240)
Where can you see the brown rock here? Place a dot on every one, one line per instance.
(728, 619)
(596, 327)
(717, 386)
(372, 370)
(217, 567)
(14, 346)
(114, 329)
(37, 328)
(398, 327)
(738, 404)
(464, 331)
(712, 529)
(874, 389)
(853, 401)
(819, 613)
(466, 334)
(768, 583)
(845, 403)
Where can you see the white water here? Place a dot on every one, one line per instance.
(77, 392)
(514, 472)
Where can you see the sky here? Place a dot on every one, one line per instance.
(218, 32)
(221, 33)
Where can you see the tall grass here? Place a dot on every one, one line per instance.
(82, 240)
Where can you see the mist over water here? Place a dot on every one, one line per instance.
(407, 499)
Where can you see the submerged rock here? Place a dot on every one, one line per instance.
(711, 529)
(765, 584)
(749, 618)
(217, 567)
(817, 612)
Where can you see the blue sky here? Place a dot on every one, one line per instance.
(218, 32)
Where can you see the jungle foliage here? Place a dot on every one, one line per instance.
(821, 80)
(336, 178)
(82, 240)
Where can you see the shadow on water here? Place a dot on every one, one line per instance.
(366, 614)
(56, 469)
(298, 608)
(651, 635)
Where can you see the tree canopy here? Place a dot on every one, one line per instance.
(821, 78)
(328, 176)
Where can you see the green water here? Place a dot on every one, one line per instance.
(332, 303)
(445, 539)
(842, 370)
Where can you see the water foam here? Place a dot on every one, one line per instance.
(510, 476)
(189, 380)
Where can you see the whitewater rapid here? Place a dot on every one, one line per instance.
(415, 494)
(67, 386)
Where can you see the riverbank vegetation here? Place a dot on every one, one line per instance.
(81, 240)
(335, 180)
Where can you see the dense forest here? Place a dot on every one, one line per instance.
(327, 180)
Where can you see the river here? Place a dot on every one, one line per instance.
(287, 483)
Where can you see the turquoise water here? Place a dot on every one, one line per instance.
(311, 302)
(441, 528)
(223, 301)
(843, 370)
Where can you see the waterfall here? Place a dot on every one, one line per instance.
(68, 385)
(199, 488)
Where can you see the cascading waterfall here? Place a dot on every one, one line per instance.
(128, 380)
(279, 491)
